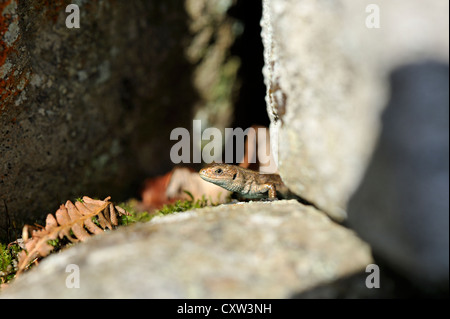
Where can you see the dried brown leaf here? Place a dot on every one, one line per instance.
(71, 221)
(103, 221)
(112, 215)
(50, 223)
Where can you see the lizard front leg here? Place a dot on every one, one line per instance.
(266, 190)
(272, 191)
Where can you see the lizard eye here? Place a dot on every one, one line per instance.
(219, 171)
(234, 176)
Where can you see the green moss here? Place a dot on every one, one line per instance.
(8, 261)
(57, 243)
(177, 207)
(184, 205)
(137, 216)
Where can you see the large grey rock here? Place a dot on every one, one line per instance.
(402, 205)
(325, 73)
(90, 110)
(247, 250)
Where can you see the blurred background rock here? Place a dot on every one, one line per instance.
(90, 110)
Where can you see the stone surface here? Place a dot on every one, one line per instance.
(325, 73)
(89, 111)
(247, 250)
(402, 205)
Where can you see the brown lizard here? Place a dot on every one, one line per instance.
(247, 183)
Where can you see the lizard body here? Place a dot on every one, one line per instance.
(245, 182)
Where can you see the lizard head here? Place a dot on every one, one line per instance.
(219, 174)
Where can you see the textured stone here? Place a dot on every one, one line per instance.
(325, 73)
(90, 110)
(246, 250)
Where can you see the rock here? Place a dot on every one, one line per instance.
(325, 73)
(246, 250)
(402, 205)
(89, 111)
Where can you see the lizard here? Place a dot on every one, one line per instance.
(247, 183)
